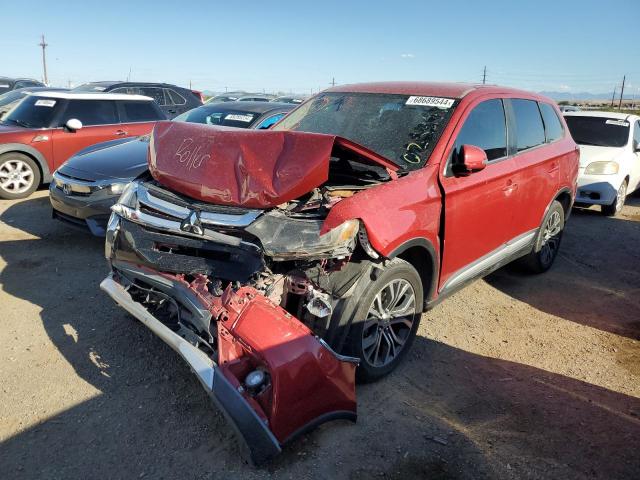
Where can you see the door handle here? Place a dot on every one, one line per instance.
(121, 133)
(510, 187)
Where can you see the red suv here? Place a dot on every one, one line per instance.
(46, 128)
(275, 262)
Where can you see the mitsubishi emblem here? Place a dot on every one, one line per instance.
(191, 224)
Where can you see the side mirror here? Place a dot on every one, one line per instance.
(474, 159)
(73, 124)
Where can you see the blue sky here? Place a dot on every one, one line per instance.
(300, 46)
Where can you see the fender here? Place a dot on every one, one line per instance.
(429, 250)
(555, 197)
(33, 153)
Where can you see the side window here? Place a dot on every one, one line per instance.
(485, 127)
(636, 134)
(552, 125)
(267, 122)
(529, 127)
(140, 112)
(173, 97)
(20, 85)
(91, 112)
(156, 93)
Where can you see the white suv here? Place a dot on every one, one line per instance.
(609, 157)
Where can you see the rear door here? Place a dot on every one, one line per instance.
(175, 103)
(100, 123)
(479, 208)
(536, 127)
(138, 117)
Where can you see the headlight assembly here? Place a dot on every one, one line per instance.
(602, 168)
(291, 238)
(117, 188)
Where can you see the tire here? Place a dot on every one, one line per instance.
(19, 176)
(547, 242)
(616, 207)
(378, 339)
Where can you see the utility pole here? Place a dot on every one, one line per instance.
(129, 75)
(44, 60)
(484, 75)
(333, 82)
(613, 97)
(624, 77)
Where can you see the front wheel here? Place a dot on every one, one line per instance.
(19, 176)
(386, 320)
(547, 242)
(616, 207)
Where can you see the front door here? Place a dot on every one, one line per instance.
(99, 123)
(478, 208)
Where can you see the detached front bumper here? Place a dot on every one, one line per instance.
(308, 383)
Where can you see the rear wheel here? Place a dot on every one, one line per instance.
(548, 240)
(616, 207)
(386, 320)
(19, 176)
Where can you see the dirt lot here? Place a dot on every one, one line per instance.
(514, 377)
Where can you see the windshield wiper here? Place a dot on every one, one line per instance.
(22, 123)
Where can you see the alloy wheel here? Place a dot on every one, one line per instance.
(389, 322)
(620, 196)
(16, 176)
(551, 238)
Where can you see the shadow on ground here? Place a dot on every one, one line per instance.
(596, 278)
(444, 414)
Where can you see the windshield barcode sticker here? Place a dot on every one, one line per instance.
(45, 103)
(239, 118)
(438, 102)
(620, 123)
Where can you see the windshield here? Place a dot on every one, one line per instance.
(599, 131)
(89, 87)
(401, 128)
(210, 116)
(11, 97)
(4, 86)
(32, 112)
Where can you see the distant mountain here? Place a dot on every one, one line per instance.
(559, 96)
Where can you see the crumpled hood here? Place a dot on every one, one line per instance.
(248, 168)
(592, 153)
(124, 158)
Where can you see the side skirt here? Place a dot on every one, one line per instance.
(503, 255)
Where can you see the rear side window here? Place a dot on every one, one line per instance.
(140, 112)
(91, 112)
(552, 125)
(529, 127)
(485, 127)
(174, 98)
(636, 134)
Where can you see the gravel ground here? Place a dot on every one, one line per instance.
(514, 377)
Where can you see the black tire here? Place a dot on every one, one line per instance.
(396, 273)
(547, 242)
(616, 207)
(28, 172)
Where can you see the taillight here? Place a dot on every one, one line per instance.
(198, 94)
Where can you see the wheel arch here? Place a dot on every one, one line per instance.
(35, 155)
(421, 254)
(566, 200)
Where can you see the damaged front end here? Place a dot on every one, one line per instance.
(243, 284)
